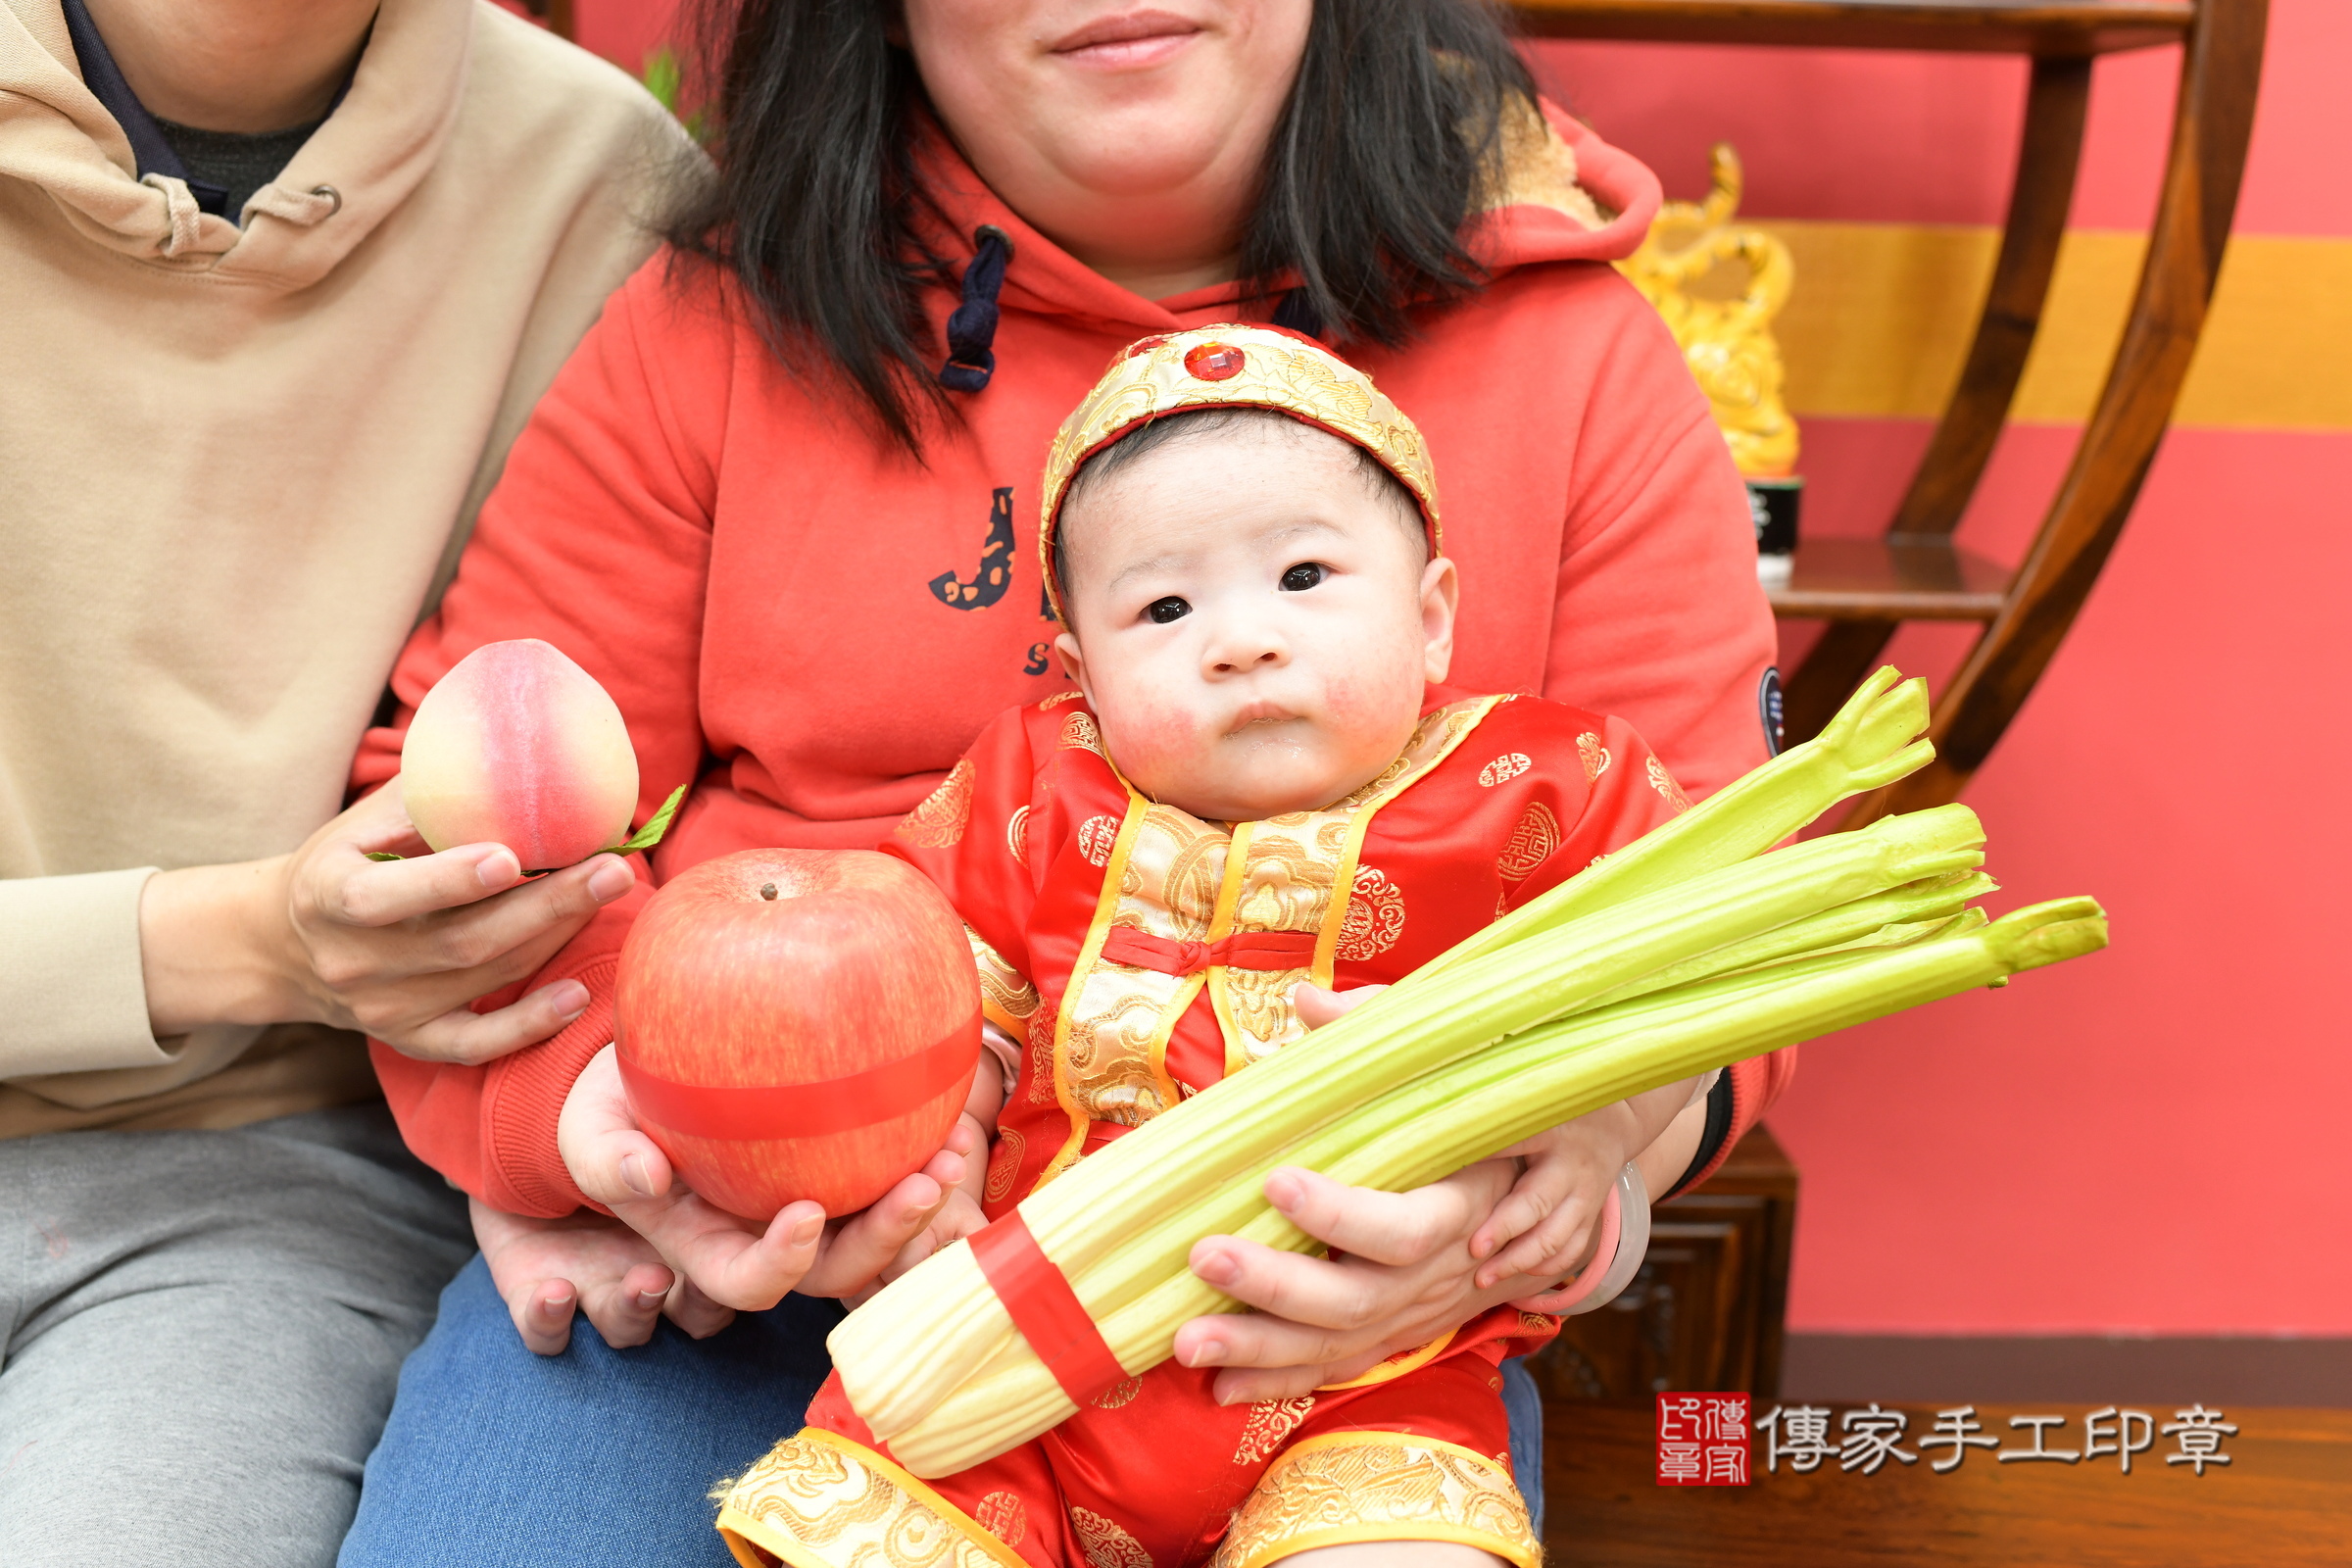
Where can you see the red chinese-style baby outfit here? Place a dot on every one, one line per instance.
(1143, 954)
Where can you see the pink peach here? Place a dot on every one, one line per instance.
(520, 746)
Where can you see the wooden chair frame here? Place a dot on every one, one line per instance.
(1865, 588)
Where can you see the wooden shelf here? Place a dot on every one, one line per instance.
(1913, 579)
(2068, 27)
(1864, 589)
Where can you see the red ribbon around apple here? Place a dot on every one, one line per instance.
(798, 1023)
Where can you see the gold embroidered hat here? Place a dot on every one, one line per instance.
(1233, 366)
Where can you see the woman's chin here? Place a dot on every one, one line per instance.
(1140, 152)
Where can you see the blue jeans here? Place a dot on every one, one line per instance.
(498, 1459)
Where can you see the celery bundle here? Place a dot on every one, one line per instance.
(1688, 950)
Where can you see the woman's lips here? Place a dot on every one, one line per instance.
(1129, 39)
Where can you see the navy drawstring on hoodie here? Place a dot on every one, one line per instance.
(972, 328)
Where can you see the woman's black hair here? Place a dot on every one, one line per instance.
(1382, 155)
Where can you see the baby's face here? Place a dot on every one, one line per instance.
(1252, 621)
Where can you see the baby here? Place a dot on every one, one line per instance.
(1259, 795)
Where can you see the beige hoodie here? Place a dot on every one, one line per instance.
(232, 465)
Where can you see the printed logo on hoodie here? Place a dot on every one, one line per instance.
(987, 585)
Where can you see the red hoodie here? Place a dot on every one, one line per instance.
(811, 627)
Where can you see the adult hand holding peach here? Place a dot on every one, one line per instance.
(516, 763)
(395, 949)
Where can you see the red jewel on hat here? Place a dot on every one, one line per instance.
(1143, 346)
(1216, 361)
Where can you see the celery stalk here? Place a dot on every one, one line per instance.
(1889, 920)
(1010, 1393)
(1930, 898)
(946, 1307)
(1162, 1243)
(1632, 1047)
(1862, 749)
(1160, 1246)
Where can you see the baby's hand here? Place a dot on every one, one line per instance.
(957, 1218)
(1545, 1225)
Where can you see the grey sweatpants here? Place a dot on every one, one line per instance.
(199, 1334)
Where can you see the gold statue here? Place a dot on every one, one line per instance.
(1726, 337)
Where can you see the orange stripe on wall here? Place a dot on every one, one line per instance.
(1881, 314)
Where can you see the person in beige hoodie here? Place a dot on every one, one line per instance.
(280, 279)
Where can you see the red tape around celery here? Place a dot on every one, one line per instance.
(807, 1109)
(1046, 1310)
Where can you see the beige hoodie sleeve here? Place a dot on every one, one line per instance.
(195, 657)
(72, 995)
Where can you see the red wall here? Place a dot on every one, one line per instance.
(2151, 1139)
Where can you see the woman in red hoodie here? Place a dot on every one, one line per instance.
(781, 503)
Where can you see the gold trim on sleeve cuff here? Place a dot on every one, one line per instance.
(1379, 1485)
(820, 1501)
(1007, 998)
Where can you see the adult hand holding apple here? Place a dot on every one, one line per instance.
(797, 1033)
(735, 1261)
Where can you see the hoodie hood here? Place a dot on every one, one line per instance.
(354, 170)
(1561, 195)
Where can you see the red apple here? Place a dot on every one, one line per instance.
(798, 1023)
(520, 746)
